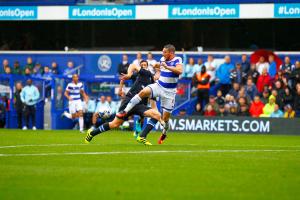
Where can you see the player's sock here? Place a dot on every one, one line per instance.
(134, 101)
(104, 127)
(67, 115)
(81, 123)
(166, 128)
(150, 124)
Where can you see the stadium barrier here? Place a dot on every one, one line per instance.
(236, 125)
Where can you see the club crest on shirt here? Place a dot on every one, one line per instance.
(104, 63)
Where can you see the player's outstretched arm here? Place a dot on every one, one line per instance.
(177, 70)
(130, 71)
(67, 95)
(85, 96)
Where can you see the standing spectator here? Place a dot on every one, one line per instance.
(112, 104)
(189, 69)
(289, 112)
(123, 66)
(251, 89)
(29, 96)
(70, 69)
(245, 64)
(19, 104)
(237, 75)
(3, 109)
(209, 111)
(261, 65)
(47, 73)
(211, 68)
(295, 75)
(223, 75)
(256, 107)
(37, 70)
(201, 80)
(54, 68)
(234, 91)
(287, 97)
(5, 65)
(59, 101)
(17, 69)
(138, 59)
(151, 62)
(29, 64)
(269, 107)
(253, 73)
(265, 97)
(263, 79)
(273, 67)
(277, 113)
(27, 72)
(7, 70)
(297, 101)
(287, 67)
(198, 66)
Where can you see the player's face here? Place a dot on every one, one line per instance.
(75, 78)
(166, 54)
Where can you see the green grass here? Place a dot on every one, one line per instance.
(193, 171)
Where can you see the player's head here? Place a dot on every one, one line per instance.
(75, 78)
(144, 64)
(168, 51)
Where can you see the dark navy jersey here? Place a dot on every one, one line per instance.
(144, 78)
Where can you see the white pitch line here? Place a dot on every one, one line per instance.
(153, 152)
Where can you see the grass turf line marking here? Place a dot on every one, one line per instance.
(153, 152)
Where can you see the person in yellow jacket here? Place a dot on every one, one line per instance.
(289, 112)
(201, 81)
(269, 107)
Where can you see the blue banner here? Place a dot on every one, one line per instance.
(203, 11)
(102, 12)
(18, 13)
(287, 10)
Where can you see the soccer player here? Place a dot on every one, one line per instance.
(165, 87)
(72, 93)
(144, 78)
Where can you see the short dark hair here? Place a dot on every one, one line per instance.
(170, 47)
(144, 61)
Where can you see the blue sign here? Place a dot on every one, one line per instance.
(287, 10)
(18, 13)
(203, 11)
(102, 12)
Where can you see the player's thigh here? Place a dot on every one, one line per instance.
(154, 89)
(167, 102)
(152, 113)
(72, 107)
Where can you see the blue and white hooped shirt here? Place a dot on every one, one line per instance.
(74, 90)
(168, 80)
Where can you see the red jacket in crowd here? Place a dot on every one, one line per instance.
(264, 79)
(210, 113)
(256, 109)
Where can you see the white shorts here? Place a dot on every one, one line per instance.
(75, 106)
(167, 98)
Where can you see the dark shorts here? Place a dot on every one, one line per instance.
(139, 109)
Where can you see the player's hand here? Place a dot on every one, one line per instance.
(164, 64)
(70, 99)
(124, 77)
(121, 93)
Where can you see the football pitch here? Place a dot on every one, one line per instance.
(57, 165)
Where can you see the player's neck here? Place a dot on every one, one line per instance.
(171, 57)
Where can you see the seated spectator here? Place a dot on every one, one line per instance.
(189, 69)
(17, 69)
(265, 97)
(295, 75)
(269, 107)
(54, 68)
(7, 70)
(263, 79)
(198, 109)
(209, 111)
(230, 101)
(277, 113)
(297, 101)
(261, 65)
(234, 91)
(287, 67)
(245, 64)
(242, 94)
(237, 75)
(256, 107)
(182, 113)
(223, 75)
(250, 89)
(27, 72)
(279, 88)
(242, 101)
(198, 66)
(243, 111)
(138, 59)
(151, 63)
(37, 70)
(211, 66)
(213, 103)
(289, 112)
(123, 66)
(287, 97)
(222, 111)
(273, 67)
(279, 99)
(232, 111)
(70, 69)
(219, 98)
(29, 64)
(5, 65)
(112, 104)
(101, 103)
(253, 73)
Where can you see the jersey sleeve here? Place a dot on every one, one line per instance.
(178, 61)
(68, 87)
(81, 86)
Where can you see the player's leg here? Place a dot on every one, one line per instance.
(81, 121)
(72, 111)
(94, 120)
(146, 92)
(154, 118)
(103, 128)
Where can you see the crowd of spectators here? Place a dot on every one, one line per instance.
(260, 89)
